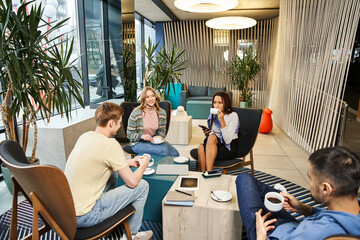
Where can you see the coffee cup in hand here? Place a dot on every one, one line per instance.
(157, 139)
(274, 201)
(214, 110)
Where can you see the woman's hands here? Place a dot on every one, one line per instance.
(147, 137)
(206, 131)
(262, 226)
(221, 118)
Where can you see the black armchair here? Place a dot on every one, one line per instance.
(249, 127)
(129, 107)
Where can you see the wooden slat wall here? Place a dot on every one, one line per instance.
(205, 49)
(312, 58)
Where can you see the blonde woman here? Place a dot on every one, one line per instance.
(147, 121)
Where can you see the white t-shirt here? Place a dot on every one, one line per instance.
(89, 167)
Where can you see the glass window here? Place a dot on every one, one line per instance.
(116, 49)
(138, 42)
(95, 50)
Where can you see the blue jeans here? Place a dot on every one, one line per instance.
(164, 149)
(251, 194)
(114, 199)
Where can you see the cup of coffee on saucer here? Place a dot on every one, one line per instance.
(151, 161)
(157, 139)
(274, 201)
(214, 110)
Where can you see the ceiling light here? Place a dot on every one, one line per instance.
(205, 5)
(229, 23)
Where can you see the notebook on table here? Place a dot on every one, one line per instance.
(172, 169)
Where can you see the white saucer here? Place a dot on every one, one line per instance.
(149, 171)
(181, 159)
(158, 142)
(151, 162)
(221, 196)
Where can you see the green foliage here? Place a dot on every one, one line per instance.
(243, 72)
(129, 71)
(35, 71)
(164, 67)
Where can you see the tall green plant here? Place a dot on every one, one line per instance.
(129, 72)
(36, 72)
(164, 67)
(243, 71)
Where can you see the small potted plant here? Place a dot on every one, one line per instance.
(36, 73)
(242, 71)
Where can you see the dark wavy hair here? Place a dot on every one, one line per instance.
(226, 100)
(340, 166)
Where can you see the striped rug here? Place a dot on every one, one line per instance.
(25, 210)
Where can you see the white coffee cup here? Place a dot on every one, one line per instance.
(274, 201)
(214, 110)
(151, 161)
(157, 139)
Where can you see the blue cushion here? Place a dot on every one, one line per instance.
(197, 91)
(212, 90)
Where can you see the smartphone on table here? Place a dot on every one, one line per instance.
(211, 174)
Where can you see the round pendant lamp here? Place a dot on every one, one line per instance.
(205, 5)
(230, 23)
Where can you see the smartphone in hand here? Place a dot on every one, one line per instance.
(203, 127)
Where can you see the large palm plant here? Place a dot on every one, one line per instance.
(164, 67)
(36, 73)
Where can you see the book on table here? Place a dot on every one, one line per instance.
(180, 199)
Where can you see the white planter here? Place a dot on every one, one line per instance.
(242, 104)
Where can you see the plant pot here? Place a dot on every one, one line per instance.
(7, 176)
(242, 104)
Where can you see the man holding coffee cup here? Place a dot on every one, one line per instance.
(334, 175)
(92, 170)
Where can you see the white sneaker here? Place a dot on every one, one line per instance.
(280, 187)
(147, 235)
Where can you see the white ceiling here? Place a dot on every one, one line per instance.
(257, 9)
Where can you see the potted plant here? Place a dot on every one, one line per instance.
(242, 72)
(36, 72)
(164, 67)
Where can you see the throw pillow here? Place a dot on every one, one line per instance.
(197, 91)
(212, 90)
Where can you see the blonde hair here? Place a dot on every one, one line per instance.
(143, 97)
(106, 112)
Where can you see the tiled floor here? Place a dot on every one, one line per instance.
(274, 153)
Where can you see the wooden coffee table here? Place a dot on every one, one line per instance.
(207, 219)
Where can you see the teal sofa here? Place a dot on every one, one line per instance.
(199, 93)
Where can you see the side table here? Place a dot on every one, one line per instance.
(207, 219)
(180, 130)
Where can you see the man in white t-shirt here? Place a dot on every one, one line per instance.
(92, 170)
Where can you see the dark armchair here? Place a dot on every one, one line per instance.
(249, 127)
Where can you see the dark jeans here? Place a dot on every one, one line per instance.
(251, 193)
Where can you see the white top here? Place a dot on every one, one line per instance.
(228, 132)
